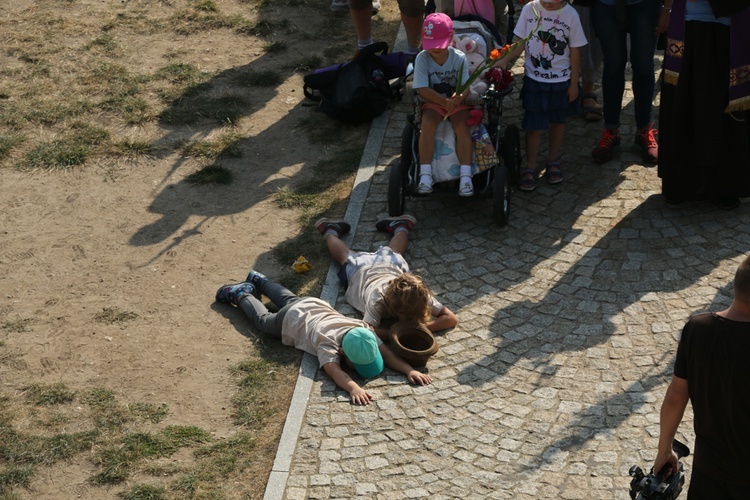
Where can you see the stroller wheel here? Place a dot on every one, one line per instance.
(501, 189)
(396, 190)
(510, 152)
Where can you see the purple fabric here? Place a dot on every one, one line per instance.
(739, 57)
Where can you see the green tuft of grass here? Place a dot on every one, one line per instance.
(144, 492)
(99, 398)
(180, 435)
(40, 450)
(57, 154)
(308, 64)
(225, 146)
(149, 411)
(211, 174)
(17, 326)
(85, 133)
(117, 460)
(110, 315)
(46, 395)
(205, 5)
(15, 476)
(287, 198)
(181, 73)
(104, 42)
(132, 148)
(8, 142)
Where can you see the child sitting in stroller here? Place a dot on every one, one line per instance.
(436, 71)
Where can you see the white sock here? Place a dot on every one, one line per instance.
(400, 229)
(331, 231)
(465, 171)
(364, 43)
(425, 172)
(412, 51)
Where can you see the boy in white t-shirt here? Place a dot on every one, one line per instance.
(550, 85)
(379, 284)
(312, 325)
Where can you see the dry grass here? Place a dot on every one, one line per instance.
(78, 87)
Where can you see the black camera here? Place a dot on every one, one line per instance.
(656, 486)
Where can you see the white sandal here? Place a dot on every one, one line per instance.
(424, 187)
(466, 187)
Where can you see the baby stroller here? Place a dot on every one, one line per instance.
(495, 181)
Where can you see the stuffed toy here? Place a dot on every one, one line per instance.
(472, 46)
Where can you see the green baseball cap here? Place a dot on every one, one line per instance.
(361, 347)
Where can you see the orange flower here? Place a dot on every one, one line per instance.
(495, 54)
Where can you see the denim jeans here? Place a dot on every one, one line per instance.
(642, 18)
(264, 321)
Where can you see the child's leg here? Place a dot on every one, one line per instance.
(337, 248)
(430, 121)
(464, 150)
(533, 138)
(556, 133)
(463, 136)
(264, 321)
(553, 172)
(278, 294)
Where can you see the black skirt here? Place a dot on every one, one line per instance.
(704, 153)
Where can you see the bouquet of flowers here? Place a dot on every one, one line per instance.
(494, 56)
(500, 77)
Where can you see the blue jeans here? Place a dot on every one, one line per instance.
(641, 24)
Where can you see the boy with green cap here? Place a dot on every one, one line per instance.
(312, 325)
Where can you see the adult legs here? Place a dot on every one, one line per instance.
(614, 49)
(411, 15)
(642, 19)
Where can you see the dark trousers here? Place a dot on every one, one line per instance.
(264, 321)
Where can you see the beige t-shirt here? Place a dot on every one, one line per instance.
(313, 326)
(366, 289)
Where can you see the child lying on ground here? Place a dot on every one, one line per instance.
(312, 325)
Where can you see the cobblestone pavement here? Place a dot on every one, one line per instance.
(550, 386)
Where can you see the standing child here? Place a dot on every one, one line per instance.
(312, 325)
(550, 83)
(436, 72)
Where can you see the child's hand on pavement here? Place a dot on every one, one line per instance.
(361, 396)
(417, 377)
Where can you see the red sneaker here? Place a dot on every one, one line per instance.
(645, 143)
(609, 142)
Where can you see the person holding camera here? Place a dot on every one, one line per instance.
(712, 371)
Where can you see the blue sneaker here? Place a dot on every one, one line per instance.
(258, 280)
(233, 294)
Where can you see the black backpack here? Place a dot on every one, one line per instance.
(358, 91)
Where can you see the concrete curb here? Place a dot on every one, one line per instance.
(280, 471)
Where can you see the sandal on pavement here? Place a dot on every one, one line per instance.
(591, 113)
(528, 180)
(553, 173)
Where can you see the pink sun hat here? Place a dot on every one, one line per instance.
(437, 31)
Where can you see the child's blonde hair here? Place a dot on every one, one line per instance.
(407, 297)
